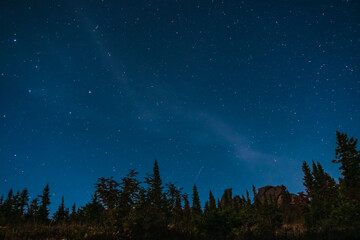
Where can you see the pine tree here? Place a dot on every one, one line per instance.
(254, 191)
(173, 197)
(16, 208)
(107, 189)
(8, 207)
(127, 214)
(308, 179)
(174, 209)
(44, 206)
(156, 214)
(24, 199)
(212, 202)
(130, 188)
(248, 197)
(62, 214)
(33, 211)
(2, 220)
(285, 206)
(196, 207)
(322, 192)
(256, 199)
(347, 155)
(73, 215)
(155, 188)
(324, 184)
(93, 212)
(73, 209)
(315, 174)
(206, 207)
(187, 207)
(186, 214)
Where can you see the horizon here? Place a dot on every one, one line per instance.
(53, 208)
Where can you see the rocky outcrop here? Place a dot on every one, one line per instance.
(269, 193)
(237, 202)
(226, 199)
(272, 194)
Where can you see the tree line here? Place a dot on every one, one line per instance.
(149, 209)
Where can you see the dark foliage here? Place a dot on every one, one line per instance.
(133, 209)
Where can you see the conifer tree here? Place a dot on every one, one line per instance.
(347, 155)
(73, 209)
(155, 188)
(174, 208)
(315, 174)
(43, 213)
(16, 208)
(130, 188)
(93, 212)
(212, 202)
(129, 203)
(24, 199)
(324, 184)
(33, 211)
(62, 214)
(322, 192)
(254, 190)
(186, 213)
(187, 207)
(10, 198)
(196, 207)
(73, 214)
(156, 214)
(219, 204)
(248, 197)
(2, 217)
(243, 198)
(206, 207)
(8, 211)
(308, 179)
(285, 206)
(256, 199)
(173, 197)
(107, 189)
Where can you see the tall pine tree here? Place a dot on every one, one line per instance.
(24, 199)
(196, 207)
(347, 155)
(43, 213)
(33, 211)
(212, 202)
(155, 188)
(308, 179)
(62, 214)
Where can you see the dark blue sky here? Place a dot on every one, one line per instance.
(222, 93)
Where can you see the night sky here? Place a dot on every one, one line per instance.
(222, 93)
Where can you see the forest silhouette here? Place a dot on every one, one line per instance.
(130, 208)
